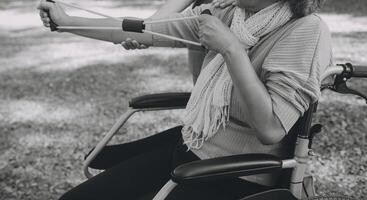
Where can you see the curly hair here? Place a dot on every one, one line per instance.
(302, 8)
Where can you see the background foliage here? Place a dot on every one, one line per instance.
(59, 93)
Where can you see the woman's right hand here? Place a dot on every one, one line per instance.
(130, 44)
(57, 14)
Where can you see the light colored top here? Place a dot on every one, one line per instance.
(289, 61)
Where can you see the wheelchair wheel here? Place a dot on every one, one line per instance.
(331, 198)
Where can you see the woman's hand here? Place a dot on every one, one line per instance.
(215, 35)
(130, 44)
(224, 3)
(57, 13)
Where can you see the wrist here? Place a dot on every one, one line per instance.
(67, 21)
(232, 49)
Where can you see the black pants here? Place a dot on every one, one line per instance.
(138, 170)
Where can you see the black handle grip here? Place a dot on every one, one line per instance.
(359, 71)
(133, 25)
(53, 25)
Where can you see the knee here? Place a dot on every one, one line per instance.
(67, 196)
(73, 195)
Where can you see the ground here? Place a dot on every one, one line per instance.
(60, 93)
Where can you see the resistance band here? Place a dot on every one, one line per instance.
(129, 25)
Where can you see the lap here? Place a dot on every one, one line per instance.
(141, 168)
(128, 180)
(114, 154)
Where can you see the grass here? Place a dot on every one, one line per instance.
(60, 93)
(355, 7)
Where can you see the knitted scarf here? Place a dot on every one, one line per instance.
(208, 107)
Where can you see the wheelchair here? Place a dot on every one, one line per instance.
(294, 184)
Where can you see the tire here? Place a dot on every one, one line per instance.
(331, 198)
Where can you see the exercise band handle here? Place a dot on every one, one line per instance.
(133, 25)
(53, 25)
(137, 26)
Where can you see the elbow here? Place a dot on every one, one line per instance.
(270, 132)
(271, 136)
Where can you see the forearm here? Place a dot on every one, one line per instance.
(172, 6)
(115, 36)
(254, 96)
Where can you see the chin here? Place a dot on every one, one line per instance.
(255, 5)
(248, 4)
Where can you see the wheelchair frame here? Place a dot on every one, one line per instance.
(156, 102)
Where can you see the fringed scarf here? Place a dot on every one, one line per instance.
(208, 107)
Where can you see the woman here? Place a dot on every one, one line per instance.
(195, 56)
(262, 70)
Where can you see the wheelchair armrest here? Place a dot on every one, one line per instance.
(226, 167)
(161, 100)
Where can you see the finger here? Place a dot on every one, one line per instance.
(220, 2)
(126, 46)
(132, 47)
(128, 41)
(201, 19)
(200, 34)
(136, 44)
(44, 14)
(143, 46)
(223, 5)
(203, 43)
(123, 44)
(43, 20)
(129, 45)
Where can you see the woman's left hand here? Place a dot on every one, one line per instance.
(215, 35)
(57, 14)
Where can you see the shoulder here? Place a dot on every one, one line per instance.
(305, 44)
(306, 32)
(309, 26)
(312, 19)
